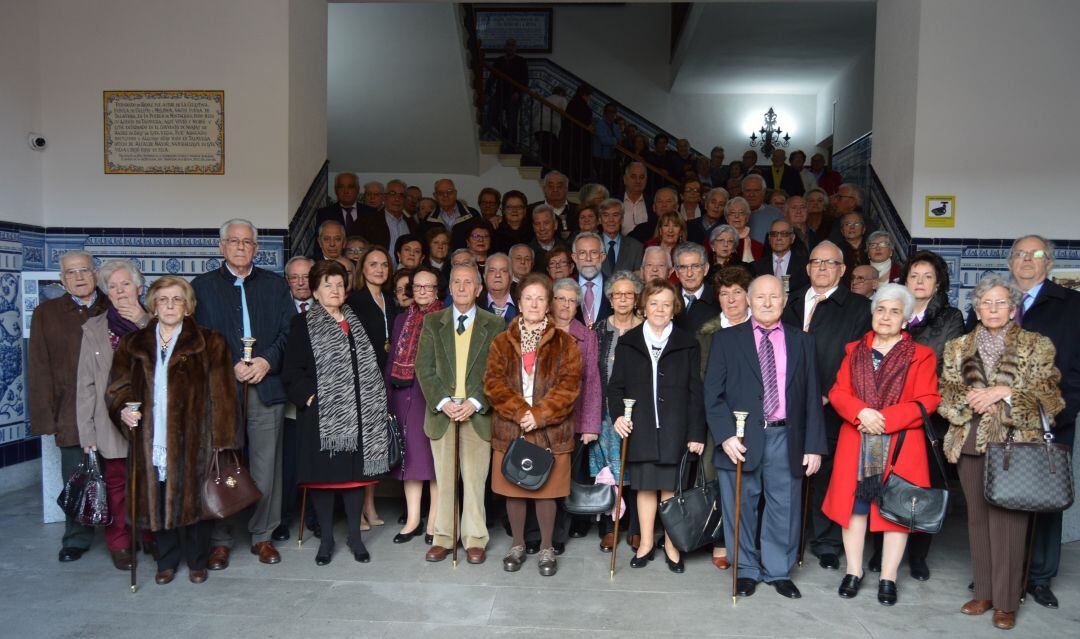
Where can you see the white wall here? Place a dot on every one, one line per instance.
(307, 95)
(852, 91)
(20, 107)
(399, 98)
(239, 46)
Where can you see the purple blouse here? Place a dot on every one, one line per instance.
(588, 409)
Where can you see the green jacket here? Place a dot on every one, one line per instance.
(436, 368)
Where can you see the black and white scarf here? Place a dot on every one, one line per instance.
(343, 382)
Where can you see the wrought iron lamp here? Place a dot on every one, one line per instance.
(770, 135)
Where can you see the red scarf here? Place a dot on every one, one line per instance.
(403, 368)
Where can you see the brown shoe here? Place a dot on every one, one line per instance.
(266, 552)
(197, 576)
(219, 558)
(164, 576)
(608, 542)
(976, 607)
(1004, 620)
(721, 562)
(475, 555)
(436, 553)
(121, 558)
(634, 541)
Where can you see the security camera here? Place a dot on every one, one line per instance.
(37, 141)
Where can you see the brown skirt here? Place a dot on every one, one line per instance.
(557, 485)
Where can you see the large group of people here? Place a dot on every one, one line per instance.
(784, 348)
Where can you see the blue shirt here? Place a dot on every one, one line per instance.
(607, 136)
(1032, 293)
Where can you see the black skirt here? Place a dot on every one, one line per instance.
(654, 476)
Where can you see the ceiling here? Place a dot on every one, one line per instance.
(770, 47)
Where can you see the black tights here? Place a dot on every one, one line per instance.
(545, 516)
(324, 511)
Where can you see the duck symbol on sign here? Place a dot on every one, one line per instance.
(941, 210)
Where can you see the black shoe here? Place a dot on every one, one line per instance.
(429, 539)
(281, 533)
(828, 561)
(324, 555)
(532, 547)
(875, 563)
(849, 587)
(71, 554)
(642, 561)
(579, 530)
(559, 547)
(1042, 594)
(677, 567)
(787, 588)
(745, 587)
(886, 592)
(919, 570)
(404, 538)
(359, 552)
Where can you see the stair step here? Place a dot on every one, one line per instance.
(529, 172)
(490, 147)
(510, 159)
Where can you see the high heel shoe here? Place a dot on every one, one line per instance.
(404, 538)
(677, 567)
(642, 561)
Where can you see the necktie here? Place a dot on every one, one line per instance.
(1020, 310)
(689, 300)
(817, 300)
(303, 307)
(239, 283)
(778, 270)
(590, 298)
(350, 214)
(767, 358)
(611, 254)
(461, 324)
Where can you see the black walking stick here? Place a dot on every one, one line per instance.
(133, 455)
(740, 430)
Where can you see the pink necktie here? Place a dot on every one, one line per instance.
(779, 270)
(589, 299)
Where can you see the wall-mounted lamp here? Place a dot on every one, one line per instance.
(770, 135)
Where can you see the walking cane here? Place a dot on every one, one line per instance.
(628, 409)
(454, 486)
(802, 529)
(132, 456)
(249, 346)
(740, 431)
(1027, 562)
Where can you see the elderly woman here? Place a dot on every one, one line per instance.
(101, 334)
(731, 284)
(882, 380)
(659, 365)
(533, 380)
(992, 382)
(879, 251)
(407, 401)
(567, 296)
(588, 220)
(409, 251)
(182, 374)
(622, 290)
(331, 374)
(737, 214)
(691, 200)
(558, 263)
(853, 231)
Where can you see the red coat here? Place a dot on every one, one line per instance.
(920, 385)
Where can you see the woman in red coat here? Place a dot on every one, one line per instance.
(878, 388)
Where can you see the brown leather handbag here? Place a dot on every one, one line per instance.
(227, 487)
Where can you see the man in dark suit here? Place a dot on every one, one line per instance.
(639, 221)
(782, 176)
(621, 252)
(588, 254)
(384, 226)
(781, 259)
(768, 370)
(699, 300)
(346, 210)
(555, 186)
(835, 317)
(545, 236)
(451, 214)
(712, 215)
(499, 298)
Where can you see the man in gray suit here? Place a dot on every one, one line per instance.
(624, 253)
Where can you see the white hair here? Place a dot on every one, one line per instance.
(891, 291)
(543, 208)
(587, 235)
(238, 221)
(77, 253)
(656, 249)
(556, 175)
(107, 268)
(752, 176)
(568, 284)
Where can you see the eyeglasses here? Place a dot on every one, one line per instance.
(817, 262)
(691, 190)
(395, 194)
(989, 304)
(356, 250)
(623, 296)
(686, 268)
(558, 263)
(78, 272)
(489, 203)
(513, 208)
(1020, 255)
(167, 301)
(593, 253)
(862, 278)
(480, 236)
(446, 193)
(879, 245)
(400, 290)
(296, 277)
(852, 225)
(562, 299)
(420, 288)
(780, 234)
(235, 242)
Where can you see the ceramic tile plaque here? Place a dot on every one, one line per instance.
(164, 132)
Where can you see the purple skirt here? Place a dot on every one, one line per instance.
(409, 406)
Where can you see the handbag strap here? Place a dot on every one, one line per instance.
(547, 439)
(1044, 419)
(682, 471)
(934, 451)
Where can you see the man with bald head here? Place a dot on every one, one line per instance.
(864, 280)
(835, 317)
(451, 214)
(348, 210)
(768, 370)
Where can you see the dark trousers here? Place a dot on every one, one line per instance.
(290, 490)
(1046, 549)
(824, 534)
(76, 535)
(323, 499)
(168, 541)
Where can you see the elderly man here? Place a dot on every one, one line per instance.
(682, 157)
(555, 186)
(750, 163)
(699, 299)
(413, 195)
(879, 249)
(848, 199)
(385, 226)
(781, 260)
(824, 177)
(835, 317)
(656, 264)
(450, 364)
(621, 252)
(784, 177)
(795, 211)
(665, 200)
(853, 231)
(588, 254)
(864, 280)
(330, 239)
(768, 370)
(347, 210)
(499, 298)
(52, 368)
(700, 228)
(545, 238)
(374, 196)
(240, 300)
(638, 221)
(522, 260)
(762, 215)
(451, 214)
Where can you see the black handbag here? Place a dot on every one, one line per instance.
(692, 518)
(85, 496)
(527, 465)
(396, 452)
(585, 498)
(71, 494)
(903, 503)
(1032, 477)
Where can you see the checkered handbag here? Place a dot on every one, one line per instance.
(1032, 477)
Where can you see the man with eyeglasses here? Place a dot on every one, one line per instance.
(864, 281)
(588, 256)
(451, 214)
(544, 235)
(384, 226)
(330, 240)
(836, 317)
(499, 288)
(555, 186)
(347, 210)
(781, 260)
(698, 297)
(621, 252)
(240, 300)
(52, 369)
(374, 196)
(853, 231)
(879, 251)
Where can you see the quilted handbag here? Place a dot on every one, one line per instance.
(527, 465)
(1032, 477)
(227, 487)
(396, 451)
(905, 504)
(692, 517)
(587, 498)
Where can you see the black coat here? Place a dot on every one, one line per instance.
(371, 317)
(505, 237)
(840, 319)
(796, 268)
(334, 212)
(301, 382)
(733, 382)
(701, 311)
(682, 411)
(940, 324)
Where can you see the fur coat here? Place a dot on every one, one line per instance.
(202, 417)
(1026, 366)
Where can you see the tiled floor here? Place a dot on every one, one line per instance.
(400, 595)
